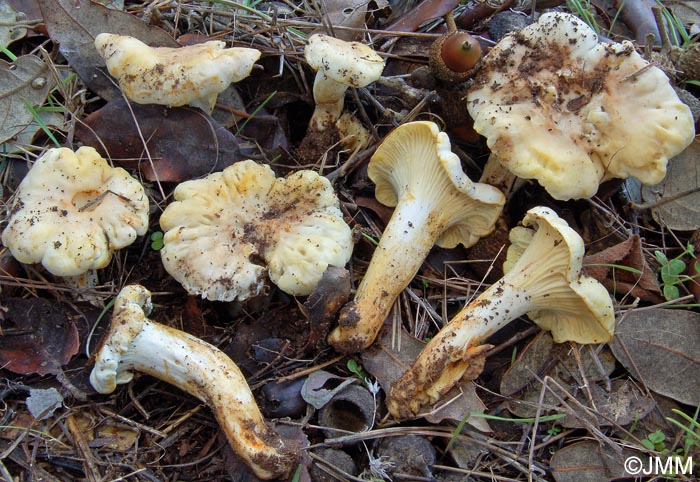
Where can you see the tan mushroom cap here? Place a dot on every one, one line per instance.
(572, 306)
(73, 210)
(226, 233)
(194, 74)
(558, 106)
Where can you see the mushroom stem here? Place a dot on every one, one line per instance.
(329, 96)
(411, 232)
(543, 282)
(192, 365)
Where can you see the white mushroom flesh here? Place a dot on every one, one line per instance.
(135, 343)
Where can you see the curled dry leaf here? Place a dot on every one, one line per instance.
(659, 347)
(623, 269)
(184, 143)
(38, 337)
(25, 81)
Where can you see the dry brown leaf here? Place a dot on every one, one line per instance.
(683, 174)
(660, 348)
(586, 462)
(25, 81)
(641, 283)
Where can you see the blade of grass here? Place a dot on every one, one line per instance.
(9, 54)
(257, 109)
(40, 122)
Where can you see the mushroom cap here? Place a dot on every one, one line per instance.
(225, 233)
(173, 76)
(545, 261)
(73, 210)
(416, 160)
(558, 106)
(351, 63)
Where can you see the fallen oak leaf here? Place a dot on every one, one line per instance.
(183, 142)
(24, 82)
(37, 337)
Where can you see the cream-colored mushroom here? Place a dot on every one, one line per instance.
(338, 65)
(195, 74)
(226, 233)
(558, 106)
(135, 343)
(73, 210)
(435, 203)
(543, 280)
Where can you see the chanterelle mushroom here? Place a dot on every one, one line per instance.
(134, 342)
(194, 74)
(436, 203)
(543, 280)
(225, 233)
(73, 210)
(338, 65)
(558, 106)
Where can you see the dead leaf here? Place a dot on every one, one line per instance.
(346, 14)
(638, 17)
(37, 337)
(411, 20)
(641, 283)
(660, 348)
(321, 386)
(542, 357)
(586, 461)
(74, 24)
(183, 142)
(387, 364)
(683, 174)
(688, 11)
(623, 405)
(25, 81)
(9, 29)
(323, 304)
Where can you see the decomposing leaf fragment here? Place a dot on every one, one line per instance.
(183, 143)
(24, 82)
(660, 348)
(623, 269)
(682, 175)
(38, 337)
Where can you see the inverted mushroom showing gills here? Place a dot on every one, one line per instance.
(338, 65)
(195, 74)
(435, 203)
(558, 106)
(135, 343)
(543, 280)
(226, 233)
(73, 210)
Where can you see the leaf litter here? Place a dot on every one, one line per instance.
(605, 402)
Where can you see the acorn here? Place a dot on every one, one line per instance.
(454, 56)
